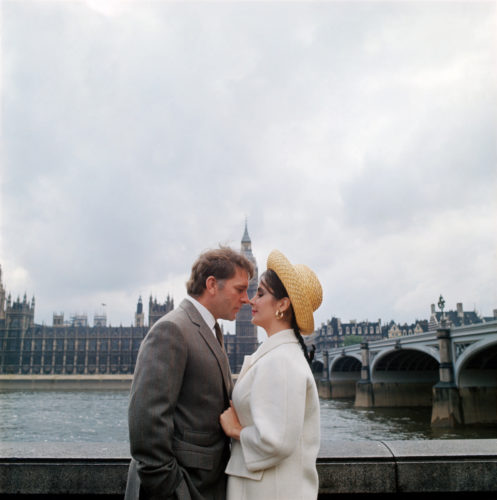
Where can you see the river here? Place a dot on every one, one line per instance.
(101, 416)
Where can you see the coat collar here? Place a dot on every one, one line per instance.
(271, 343)
(207, 334)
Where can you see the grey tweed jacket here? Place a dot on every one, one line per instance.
(182, 383)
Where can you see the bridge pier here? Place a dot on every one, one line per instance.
(364, 396)
(324, 386)
(342, 389)
(446, 409)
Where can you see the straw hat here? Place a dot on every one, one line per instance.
(303, 287)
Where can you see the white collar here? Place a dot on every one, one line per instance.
(207, 316)
(275, 340)
(279, 338)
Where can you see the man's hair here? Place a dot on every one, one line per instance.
(221, 263)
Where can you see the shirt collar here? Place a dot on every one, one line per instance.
(204, 312)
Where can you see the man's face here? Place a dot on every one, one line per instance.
(231, 295)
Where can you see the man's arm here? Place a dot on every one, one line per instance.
(156, 385)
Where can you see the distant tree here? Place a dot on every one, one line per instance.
(351, 340)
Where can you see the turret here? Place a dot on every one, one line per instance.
(139, 315)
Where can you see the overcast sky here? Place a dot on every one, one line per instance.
(358, 138)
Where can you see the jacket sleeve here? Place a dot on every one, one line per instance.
(277, 402)
(156, 385)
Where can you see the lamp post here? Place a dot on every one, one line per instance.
(447, 409)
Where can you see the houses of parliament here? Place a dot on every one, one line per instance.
(27, 348)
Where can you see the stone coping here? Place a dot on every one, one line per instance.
(330, 450)
(344, 467)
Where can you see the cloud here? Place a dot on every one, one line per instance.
(358, 138)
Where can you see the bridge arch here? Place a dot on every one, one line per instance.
(346, 363)
(477, 365)
(404, 377)
(317, 366)
(401, 364)
(476, 377)
(345, 372)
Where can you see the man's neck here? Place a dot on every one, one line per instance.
(201, 299)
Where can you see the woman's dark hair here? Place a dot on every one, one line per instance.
(276, 288)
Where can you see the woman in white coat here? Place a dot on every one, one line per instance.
(274, 418)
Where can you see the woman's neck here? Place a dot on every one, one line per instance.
(278, 327)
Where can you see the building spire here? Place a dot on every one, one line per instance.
(246, 237)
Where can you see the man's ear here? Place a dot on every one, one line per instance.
(211, 285)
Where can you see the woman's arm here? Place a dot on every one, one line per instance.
(277, 403)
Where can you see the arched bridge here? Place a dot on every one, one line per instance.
(455, 369)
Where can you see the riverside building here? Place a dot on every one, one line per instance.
(75, 348)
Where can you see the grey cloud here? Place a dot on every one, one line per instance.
(132, 142)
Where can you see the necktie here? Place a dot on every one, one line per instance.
(219, 334)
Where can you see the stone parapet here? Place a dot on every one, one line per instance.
(355, 469)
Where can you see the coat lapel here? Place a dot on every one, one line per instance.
(280, 338)
(206, 333)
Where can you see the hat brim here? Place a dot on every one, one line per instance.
(291, 281)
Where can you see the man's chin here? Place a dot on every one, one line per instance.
(231, 317)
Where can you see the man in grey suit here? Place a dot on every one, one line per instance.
(182, 383)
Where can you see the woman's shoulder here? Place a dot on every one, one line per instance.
(290, 353)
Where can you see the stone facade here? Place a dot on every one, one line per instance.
(459, 317)
(71, 348)
(333, 333)
(398, 330)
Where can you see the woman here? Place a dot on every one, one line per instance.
(274, 418)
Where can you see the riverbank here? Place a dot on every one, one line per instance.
(65, 382)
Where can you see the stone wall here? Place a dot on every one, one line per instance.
(352, 469)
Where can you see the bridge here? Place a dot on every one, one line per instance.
(453, 370)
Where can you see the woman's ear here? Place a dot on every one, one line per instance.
(284, 304)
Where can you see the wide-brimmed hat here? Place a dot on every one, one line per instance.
(303, 287)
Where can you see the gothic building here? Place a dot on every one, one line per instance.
(74, 347)
(244, 342)
(156, 310)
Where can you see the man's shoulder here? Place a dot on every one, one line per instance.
(182, 315)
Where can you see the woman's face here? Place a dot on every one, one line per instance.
(264, 306)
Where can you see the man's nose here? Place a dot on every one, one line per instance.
(245, 298)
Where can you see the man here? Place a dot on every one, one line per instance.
(182, 383)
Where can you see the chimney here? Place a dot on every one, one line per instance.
(460, 312)
(433, 309)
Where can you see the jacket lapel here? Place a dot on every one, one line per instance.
(206, 333)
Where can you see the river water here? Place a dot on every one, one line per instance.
(101, 416)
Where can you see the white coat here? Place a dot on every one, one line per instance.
(277, 404)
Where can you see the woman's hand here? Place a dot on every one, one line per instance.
(230, 423)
